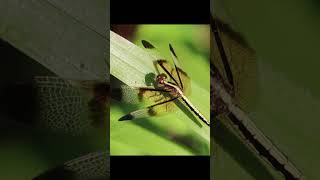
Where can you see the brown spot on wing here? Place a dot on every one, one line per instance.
(152, 112)
(151, 93)
(171, 49)
(147, 45)
(233, 34)
(99, 103)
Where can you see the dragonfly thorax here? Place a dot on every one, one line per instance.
(162, 82)
(161, 78)
(220, 92)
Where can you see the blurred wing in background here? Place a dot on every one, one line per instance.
(71, 106)
(95, 165)
(235, 62)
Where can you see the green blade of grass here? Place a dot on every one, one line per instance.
(128, 62)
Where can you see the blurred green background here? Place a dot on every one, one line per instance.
(174, 133)
(285, 35)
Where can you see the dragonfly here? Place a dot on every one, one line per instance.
(227, 103)
(171, 85)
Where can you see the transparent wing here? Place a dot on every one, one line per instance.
(164, 106)
(95, 165)
(65, 106)
(155, 99)
(176, 65)
(138, 95)
(152, 50)
(236, 62)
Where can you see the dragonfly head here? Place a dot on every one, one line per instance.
(161, 78)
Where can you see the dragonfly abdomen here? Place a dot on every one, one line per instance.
(195, 110)
(264, 147)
